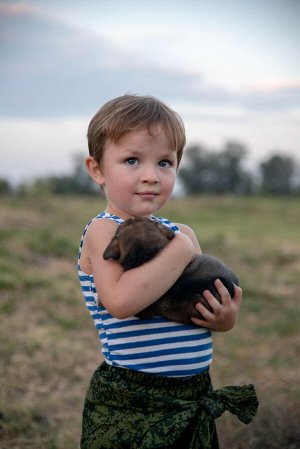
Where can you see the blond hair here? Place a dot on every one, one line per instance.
(127, 113)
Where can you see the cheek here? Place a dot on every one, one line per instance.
(120, 185)
(119, 178)
(169, 181)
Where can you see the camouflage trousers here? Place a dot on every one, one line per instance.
(125, 409)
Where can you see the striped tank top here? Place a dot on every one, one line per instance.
(156, 346)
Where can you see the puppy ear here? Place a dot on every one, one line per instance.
(166, 232)
(113, 250)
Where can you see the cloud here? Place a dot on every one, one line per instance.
(52, 69)
(16, 9)
(273, 99)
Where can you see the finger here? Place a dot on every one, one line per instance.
(207, 314)
(212, 301)
(201, 323)
(238, 295)
(223, 292)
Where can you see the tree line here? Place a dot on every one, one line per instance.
(202, 172)
(226, 172)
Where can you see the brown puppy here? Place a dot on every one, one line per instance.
(138, 240)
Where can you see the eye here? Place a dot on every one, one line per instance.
(165, 163)
(131, 161)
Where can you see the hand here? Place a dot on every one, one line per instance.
(223, 316)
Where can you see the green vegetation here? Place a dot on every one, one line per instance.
(202, 171)
(49, 348)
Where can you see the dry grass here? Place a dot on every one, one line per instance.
(49, 348)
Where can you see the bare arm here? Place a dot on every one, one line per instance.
(224, 316)
(124, 294)
(190, 233)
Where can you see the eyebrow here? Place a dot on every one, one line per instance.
(169, 154)
(137, 151)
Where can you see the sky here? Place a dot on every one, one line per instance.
(231, 69)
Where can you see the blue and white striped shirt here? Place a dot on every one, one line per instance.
(156, 346)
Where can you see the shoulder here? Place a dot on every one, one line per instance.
(100, 232)
(102, 226)
(185, 229)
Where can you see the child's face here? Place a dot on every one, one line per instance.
(138, 173)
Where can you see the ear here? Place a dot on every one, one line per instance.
(166, 232)
(94, 170)
(113, 250)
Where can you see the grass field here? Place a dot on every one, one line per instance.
(49, 347)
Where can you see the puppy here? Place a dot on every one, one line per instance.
(139, 239)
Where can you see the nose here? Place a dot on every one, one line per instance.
(150, 175)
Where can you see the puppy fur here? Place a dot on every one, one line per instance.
(139, 239)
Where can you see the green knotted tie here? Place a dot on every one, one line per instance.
(238, 400)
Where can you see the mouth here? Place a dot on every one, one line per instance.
(147, 194)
